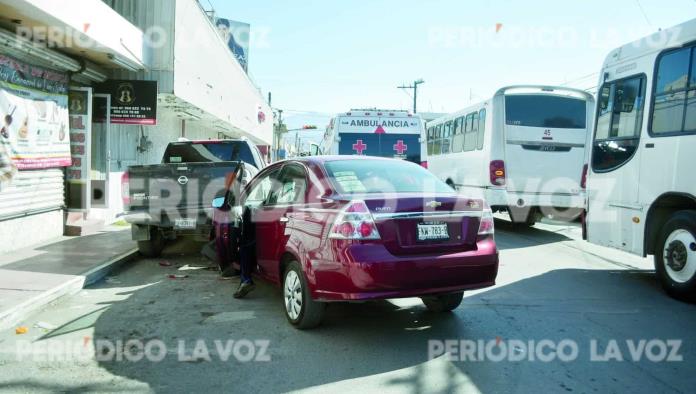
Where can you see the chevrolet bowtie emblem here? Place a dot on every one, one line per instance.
(434, 204)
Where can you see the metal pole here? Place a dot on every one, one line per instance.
(415, 91)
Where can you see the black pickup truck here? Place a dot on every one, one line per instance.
(164, 201)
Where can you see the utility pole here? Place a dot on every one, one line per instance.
(415, 91)
(277, 132)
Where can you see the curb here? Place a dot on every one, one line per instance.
(98, 273)
(72, 286)
(14, 315)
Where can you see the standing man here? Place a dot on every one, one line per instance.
(247, 255)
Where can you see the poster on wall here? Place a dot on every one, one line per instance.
(79, 134)
(236, 36)
(77, 174)
(34, 114)
(132, 102)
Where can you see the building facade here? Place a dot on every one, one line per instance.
(198, 90)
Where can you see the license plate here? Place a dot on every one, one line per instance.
(432, 231)
(185, 223)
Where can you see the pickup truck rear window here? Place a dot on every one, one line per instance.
(187, 152)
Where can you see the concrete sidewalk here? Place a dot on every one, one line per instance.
(34, 277)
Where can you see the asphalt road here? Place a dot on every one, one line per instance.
(553, 289)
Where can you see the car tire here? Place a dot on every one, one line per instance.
(153, 247)
(444, 302)
(675, 256)
(300, 309)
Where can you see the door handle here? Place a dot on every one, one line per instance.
(284, 219)
(650, 145)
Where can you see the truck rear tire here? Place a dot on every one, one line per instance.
(153, 247)
(675, 256)
(523, 217)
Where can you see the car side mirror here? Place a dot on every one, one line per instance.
(218, 202)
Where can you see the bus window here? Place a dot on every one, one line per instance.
(532, 110)
(429, 139)
(671, 92)
(446, 137)
(436, 140)
(458, 135)
(481, 128)
(470, 134)
(619, 116)
(474, 130)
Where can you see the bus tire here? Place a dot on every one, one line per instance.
(675, 256)
(523, 217)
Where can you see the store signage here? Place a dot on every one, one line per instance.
(34, 114)
(132, 102)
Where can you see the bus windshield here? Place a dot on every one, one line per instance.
(545, 111)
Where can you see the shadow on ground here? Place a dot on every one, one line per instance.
(525, 236)
(359, 341)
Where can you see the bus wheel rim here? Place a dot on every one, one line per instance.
(678, 257)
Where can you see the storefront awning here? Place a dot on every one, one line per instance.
(84, 29)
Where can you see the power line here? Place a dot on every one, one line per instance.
(642, 11)
(580, 78)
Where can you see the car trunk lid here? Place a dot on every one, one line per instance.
(422, 224)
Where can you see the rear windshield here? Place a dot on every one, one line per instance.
(545, 111)
(189, 152)
(382, 176)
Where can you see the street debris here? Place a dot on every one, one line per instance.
(165, 263)
(188, 267)
(176, 276)
(45, 326)
(21, 330)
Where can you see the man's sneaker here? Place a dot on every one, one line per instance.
(244, 289)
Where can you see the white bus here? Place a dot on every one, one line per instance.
(523, 150)
(642, 179)
(374, 132)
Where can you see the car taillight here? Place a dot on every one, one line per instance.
(354, 222)
(424, 164)
(125, 188)
(497, 172)
(583, 180)
(486, 226)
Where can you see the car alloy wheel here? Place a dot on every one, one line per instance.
(292, 291)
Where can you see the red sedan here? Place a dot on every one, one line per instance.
(343, 228)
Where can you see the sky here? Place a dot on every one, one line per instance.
(323, 57)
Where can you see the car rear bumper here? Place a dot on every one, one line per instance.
(369, 271)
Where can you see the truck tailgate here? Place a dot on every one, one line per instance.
(176, 190)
